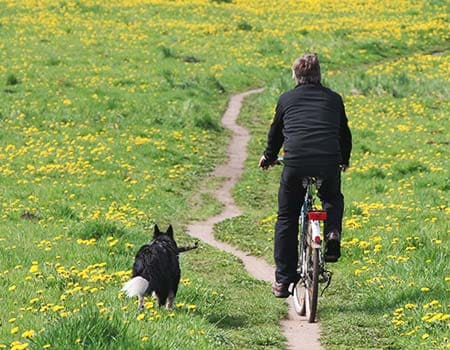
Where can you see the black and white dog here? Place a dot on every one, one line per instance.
(156, 269)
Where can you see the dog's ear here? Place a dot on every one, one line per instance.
(170, 231)
(157, 231)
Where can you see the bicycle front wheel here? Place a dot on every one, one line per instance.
(306, 291)
(300, 294)
(299, 297)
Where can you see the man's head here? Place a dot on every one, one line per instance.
(306, 69)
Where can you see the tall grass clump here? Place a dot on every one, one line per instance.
(97, 229)
(87, 329)
(11, 79)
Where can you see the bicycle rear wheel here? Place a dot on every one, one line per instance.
(313, 288)
(306, 291)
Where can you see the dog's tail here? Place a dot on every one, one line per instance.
(185, 249)
(135, 287)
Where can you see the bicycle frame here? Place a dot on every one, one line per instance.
(313, 217)
(311, 267)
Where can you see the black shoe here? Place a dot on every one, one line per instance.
(332, 247)
(280, 290)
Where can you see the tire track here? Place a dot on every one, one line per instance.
(300, 334)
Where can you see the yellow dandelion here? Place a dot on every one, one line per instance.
(186, 281)
(149, 305)
(113, 243)
(140, 317)
(363, 244)
(18, 345)
(435, 317)
(57, 308)
(28, 334)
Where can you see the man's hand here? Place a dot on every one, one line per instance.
(263, 163)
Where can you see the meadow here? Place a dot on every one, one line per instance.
(110, 122)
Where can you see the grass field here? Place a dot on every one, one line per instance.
(109, 123)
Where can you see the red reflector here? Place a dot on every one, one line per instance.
(317, 215)
(317, 239)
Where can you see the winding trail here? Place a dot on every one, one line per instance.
(300, 334)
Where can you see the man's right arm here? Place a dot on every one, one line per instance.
(275, 136)
(345, 139)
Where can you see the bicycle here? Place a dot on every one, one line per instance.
(311, 266)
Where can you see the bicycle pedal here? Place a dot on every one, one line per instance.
(324, 277)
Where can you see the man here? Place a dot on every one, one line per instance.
(311, 125)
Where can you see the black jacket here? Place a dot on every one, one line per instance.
(311, 125)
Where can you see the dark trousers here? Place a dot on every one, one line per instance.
(290, 200)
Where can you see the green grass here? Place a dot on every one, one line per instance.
(110, 122)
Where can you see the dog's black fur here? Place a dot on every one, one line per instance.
(158, 263)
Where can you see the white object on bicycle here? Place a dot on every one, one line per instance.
(316, 239)
(314, 221)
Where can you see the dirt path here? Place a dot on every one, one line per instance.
(300, 334)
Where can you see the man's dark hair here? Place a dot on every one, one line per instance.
(306, 69)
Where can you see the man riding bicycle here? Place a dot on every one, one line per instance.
(311, 125)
